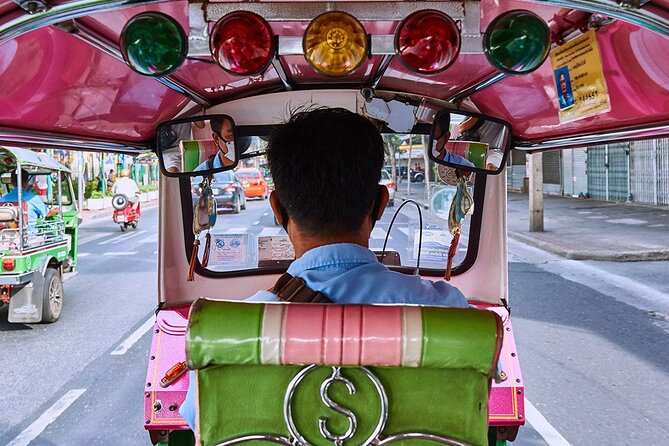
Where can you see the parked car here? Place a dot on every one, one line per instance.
(387, 181)
(417, 176)
(227, 190)
(254, 182)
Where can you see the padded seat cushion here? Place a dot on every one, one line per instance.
(434, 366)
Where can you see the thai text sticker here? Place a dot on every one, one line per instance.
(579, 78)
(436, 243)
(228, 249)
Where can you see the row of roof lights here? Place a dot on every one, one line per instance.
(335, 43)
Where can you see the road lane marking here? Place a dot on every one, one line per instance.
(543, 427)
(120, 253)
(91, 238)
(624, 289)
(123, 348)
(270, 232)
(256, 222)
(155, 253)
(48, 417)
(266, 213)
(122, 239)
(237, 229)
(104, 242)
(150, 239)
(83, 254)
(404, 231)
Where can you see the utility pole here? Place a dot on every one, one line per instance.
(80, 181)
(426, 170)
(536, 191)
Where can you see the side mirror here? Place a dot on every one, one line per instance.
(200, 145)
(470, 141)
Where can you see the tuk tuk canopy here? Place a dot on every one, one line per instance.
(31, 161)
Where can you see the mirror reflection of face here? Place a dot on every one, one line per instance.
(222, 134)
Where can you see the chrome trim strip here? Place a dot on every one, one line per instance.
(419, 436)
(307, 11)
(381, 70)
(480, 85)
(642, 17)
(85, 34)
(61, 13)
(658, 131)
(259, 437)
(68, 142)
(278, 67)
(16, 279)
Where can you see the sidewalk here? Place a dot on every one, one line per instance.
(585, 229)
(88, 215)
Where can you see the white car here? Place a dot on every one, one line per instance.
(387, 181)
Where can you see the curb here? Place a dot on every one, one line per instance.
(571, 254)
(419, 201)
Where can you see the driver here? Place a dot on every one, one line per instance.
(36, 207)
(326, 165)
(126, 186)
(223, 136)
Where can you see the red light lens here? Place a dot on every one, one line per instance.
(242, 43)
(230, 189)
(8, 264)
(427, 41)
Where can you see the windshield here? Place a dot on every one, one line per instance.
(246, 236)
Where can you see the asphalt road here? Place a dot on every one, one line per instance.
(593, 340)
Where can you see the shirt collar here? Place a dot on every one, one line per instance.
(333, 254)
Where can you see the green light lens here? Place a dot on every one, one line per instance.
(153, 44)
(517, 42)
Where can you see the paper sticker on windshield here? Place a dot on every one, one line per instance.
(579, 79)
(277, 247)
(228, 249)
(436, 244)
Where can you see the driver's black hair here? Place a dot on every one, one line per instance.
(326, 165)
(216, 125)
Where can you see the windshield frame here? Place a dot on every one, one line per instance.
(462, 267)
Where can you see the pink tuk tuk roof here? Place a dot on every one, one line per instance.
(60, 90)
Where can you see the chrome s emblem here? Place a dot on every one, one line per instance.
(352, 420)
(337, 440)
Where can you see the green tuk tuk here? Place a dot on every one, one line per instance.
(37, 246)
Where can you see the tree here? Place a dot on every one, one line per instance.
(391, 143)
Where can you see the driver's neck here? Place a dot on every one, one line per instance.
(303, 243)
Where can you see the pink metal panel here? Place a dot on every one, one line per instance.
(507, 399)
(61, 84)
(167, 349)
(638, 86)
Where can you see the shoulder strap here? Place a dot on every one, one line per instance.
(294, 289)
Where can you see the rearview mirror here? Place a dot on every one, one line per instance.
(470, 141)
(202, 145)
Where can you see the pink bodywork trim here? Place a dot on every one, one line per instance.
(342, 335)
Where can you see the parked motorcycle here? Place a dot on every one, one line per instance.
(126, 214)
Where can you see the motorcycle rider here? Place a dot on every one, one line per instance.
(126, 186)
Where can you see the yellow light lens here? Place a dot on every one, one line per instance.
(335, 44)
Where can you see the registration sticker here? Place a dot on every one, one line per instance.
(228, 249)
(436, 244)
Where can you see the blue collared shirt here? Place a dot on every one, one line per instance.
(351, 274)
(36, 207)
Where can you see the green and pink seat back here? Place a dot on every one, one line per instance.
(434, 366)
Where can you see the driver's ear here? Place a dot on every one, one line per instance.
(279, 210)
(383, 198)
